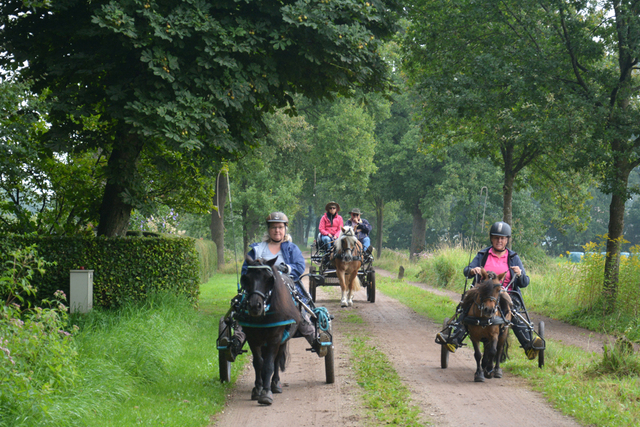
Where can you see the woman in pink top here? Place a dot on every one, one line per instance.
(331, 224)
(499, 259)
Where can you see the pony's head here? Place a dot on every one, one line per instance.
(258, 283)
(485, 296)
(346, 247)
(268, 297)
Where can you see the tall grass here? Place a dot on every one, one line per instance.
(153, 363)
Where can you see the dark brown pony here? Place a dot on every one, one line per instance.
(347, 256)
(269, 320)
(489, 314)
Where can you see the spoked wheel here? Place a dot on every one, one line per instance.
(444, 352)
(312, 282)
(371, 287)
(541, 352)
(224, 364)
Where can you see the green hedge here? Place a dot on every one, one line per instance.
(125, 268)
(208, 258)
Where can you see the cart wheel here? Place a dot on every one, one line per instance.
(224, 364)
(312, 283)
(444, 352)
(541, 352)
(371, 289)
(329, 365)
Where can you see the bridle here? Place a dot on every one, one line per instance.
(265, 297)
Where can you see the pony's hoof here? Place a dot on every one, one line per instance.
(276, 387)
(497, 373)
(488, 374)
(478, 377)
(350, 303)
(255, 393)
(343, 303)
(266, 397)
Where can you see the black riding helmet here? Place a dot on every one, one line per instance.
(500, 229)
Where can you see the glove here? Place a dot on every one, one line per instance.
(284, 268)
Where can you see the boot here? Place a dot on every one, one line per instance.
(233, 347)
(321, 344)
(453, 336)
(524, 334)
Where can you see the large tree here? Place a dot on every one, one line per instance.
(188, 79)
(563, 74)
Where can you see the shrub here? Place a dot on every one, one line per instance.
(37, 357)
(125, 268)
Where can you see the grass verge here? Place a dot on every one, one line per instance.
(571, 379)
(387, 400)
(151, 364)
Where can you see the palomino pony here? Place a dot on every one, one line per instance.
(488, 321)
(347, 255)
(269, 320)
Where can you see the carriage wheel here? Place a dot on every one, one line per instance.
(329, 368)
(371, 288)
(223, 363)
(541, 352)
(312, 283)
(444, 352)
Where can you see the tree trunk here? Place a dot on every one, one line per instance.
(379, 224)
(615, 236)
(217, 217)
(308, 222)
(507, 187)
(120, 175)
(418, 232)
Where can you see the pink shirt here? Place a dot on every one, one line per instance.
(327, 228)
(498, 265)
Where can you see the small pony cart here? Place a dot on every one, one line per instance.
(325, 273)
(518, 310)
(238, 315)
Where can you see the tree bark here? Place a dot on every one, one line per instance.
(217, 217)
(121, 174)
(418, 232)
(379, 223)
(615, 234)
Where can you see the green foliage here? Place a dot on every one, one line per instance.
(37, 356)
(208, 257)
(125, 269)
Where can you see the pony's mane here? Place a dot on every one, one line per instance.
(281, 301)
(347, 234)
(483, 290)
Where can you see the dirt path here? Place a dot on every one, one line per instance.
(447, 397)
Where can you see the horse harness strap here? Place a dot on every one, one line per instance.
(485, 321)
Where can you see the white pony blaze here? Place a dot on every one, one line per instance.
(348, 259)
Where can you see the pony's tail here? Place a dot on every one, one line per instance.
(356, 284)
(285, 356)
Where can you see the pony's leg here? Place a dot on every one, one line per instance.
(343, 288)
(490, 350)
(479, 375)
(497, 372)
(256, 351)
(276, 386)
(266, 396)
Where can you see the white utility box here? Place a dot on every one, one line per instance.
(81, 291)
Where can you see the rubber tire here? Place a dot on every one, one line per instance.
(444, 352)
(329, 366)
(223, 363)
(312, 283)
(371, 289)
(541, 352)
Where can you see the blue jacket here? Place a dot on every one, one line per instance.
(290, 253)
(514, 260)
(362, 230)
